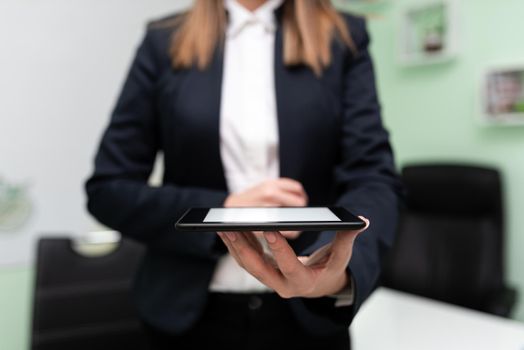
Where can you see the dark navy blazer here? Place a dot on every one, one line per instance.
(331, 140)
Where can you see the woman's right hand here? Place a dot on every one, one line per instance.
(281, 192)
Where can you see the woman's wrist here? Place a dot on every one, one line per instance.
(230, 201)
(341, 284)
(346, 296)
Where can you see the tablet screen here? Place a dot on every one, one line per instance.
(261, 215)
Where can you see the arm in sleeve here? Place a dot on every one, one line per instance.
(118, 192)
(367, 179)
(367, 183)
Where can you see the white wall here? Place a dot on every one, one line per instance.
(62, 63)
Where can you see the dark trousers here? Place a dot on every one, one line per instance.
(247, 322)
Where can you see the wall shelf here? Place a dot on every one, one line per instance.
(502, 95)
(428, 33)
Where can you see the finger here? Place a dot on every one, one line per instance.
(296, 189)
(226, 238)
(313, 264)
(343, 245)
(303, 259)
(254, 263)
(233, 250)
(291, 234)
(320, 255)
(253, 240)
(288, 199)
(366, 220)
(291, 185)
(286, 259)
(258, 234)
(348, 235)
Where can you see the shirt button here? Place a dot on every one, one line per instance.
(254, 303)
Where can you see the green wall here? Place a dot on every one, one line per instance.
(431, 110)
(431, 114)
(15, 307)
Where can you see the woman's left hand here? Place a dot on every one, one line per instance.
(320, 274)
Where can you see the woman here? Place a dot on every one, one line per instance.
(253, 103)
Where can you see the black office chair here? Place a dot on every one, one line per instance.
(450, 243)
(83, 302)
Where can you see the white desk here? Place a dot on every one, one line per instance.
(394, 320)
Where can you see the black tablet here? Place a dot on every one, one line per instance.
(269, 219)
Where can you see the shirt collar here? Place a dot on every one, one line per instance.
(239, 16)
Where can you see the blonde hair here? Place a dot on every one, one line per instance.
(309, 26)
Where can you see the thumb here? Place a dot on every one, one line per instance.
(343, 242)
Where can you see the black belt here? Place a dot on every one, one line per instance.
(252, 301)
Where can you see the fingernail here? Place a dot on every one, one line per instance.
(271, 237)
(232, 236)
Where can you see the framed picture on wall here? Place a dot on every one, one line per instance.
(502, 95)
(428, 33)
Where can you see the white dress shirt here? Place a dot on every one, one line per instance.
(249, 125)
(248, 118)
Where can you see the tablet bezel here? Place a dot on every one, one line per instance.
(193, 220)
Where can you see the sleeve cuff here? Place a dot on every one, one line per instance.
(346, 296)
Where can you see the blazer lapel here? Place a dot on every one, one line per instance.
(289, 144)
(215, 98)
(197, 111)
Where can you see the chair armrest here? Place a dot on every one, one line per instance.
(502, 302)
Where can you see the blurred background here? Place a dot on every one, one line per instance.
(450, 75)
